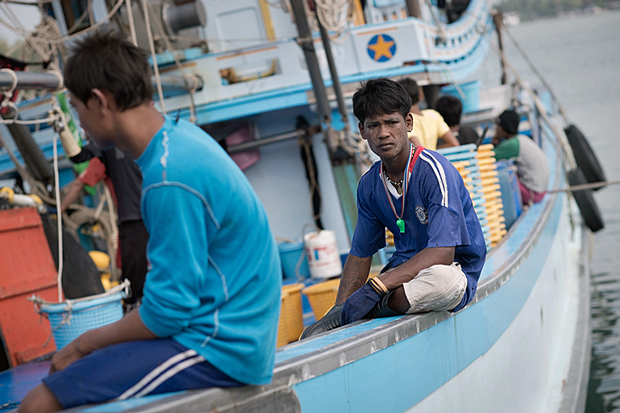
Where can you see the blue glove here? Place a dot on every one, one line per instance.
(329, 321)
(359, 304)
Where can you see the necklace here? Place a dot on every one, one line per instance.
(404, 185)
(398, 185)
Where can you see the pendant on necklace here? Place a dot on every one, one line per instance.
(401, 225)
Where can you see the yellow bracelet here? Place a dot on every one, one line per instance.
(381, 285)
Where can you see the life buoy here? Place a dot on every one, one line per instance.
(584, 155)
(585, 201)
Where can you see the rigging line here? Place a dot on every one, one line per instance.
(30, 3)
(22, 30)
(583, 187)
(542, 110)
(537, 73)
(177, 61)
(132, 26)
(149, 34)
(64, 39)
(23, 172)
(25, 122)
(59, 218)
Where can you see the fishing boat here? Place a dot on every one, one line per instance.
(272, 82)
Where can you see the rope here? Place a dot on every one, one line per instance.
(25, 122)
(537, 73)
(542, 110)
(11, 72)
(36, 186)
(19, 28)
(583, 187)
(149, 33)
(38, 301)
(59, 218)
(132, 26)
(172, 50)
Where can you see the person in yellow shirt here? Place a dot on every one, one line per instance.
(428, 126)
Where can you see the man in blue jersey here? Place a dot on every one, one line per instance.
(420, 197)
(211, 299)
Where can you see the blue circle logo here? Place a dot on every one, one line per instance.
(422, 214)
(381, 48)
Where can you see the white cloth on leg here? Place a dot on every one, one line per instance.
(437, 288)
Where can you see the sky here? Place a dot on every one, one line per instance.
(29, 17)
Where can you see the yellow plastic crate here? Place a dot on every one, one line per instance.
(322, 296)
(291, 322)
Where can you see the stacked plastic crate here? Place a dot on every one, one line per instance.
(492, 194)
(478, 170)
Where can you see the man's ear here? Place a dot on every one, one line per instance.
(102, 99)
(360, 125)
(409, 121)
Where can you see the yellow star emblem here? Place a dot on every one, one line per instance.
(381, 48)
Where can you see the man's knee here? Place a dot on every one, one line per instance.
(39, 400)
(437, 288)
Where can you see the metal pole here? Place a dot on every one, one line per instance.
(333, 71)
(30, 80)
(497, 21)
(307, 45)
(51, 81)
(179, 83)
(413, 7)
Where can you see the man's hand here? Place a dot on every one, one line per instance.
(359, 304)
(330, 320)
(73, 351)
(128, 328)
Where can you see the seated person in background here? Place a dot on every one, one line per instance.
(428, 125)
(420, 197)
(122, 175)
(532, 167)
(450, 109)
(209, 313)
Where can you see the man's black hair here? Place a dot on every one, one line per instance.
(450, 108)
(104, 60)
(380, 96)
(412, 88)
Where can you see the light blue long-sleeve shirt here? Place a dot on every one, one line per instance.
(215, 276)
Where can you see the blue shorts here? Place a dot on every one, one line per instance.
(134, 369)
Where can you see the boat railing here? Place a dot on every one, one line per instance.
(278, 68)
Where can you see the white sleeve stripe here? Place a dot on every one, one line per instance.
(443, 175)
(444, 199)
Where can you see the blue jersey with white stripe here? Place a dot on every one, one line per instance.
(438, 213)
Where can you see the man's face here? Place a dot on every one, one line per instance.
(499, 135)
(387, 133)
(90, 120)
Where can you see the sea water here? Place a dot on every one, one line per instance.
(579, 56)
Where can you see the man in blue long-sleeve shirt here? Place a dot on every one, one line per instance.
(212, 295)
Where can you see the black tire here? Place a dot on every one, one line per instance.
(584, 155)
(586, 202)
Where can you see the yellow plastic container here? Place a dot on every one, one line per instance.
(282, 339)
(322, 296)
(291, 315)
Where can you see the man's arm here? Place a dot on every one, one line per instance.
(354, 275)
(72, 194)
(129, 328)
(422, 260)
(449, 139)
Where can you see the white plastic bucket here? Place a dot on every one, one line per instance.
(322, 251)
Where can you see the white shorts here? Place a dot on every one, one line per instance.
(437, 288)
